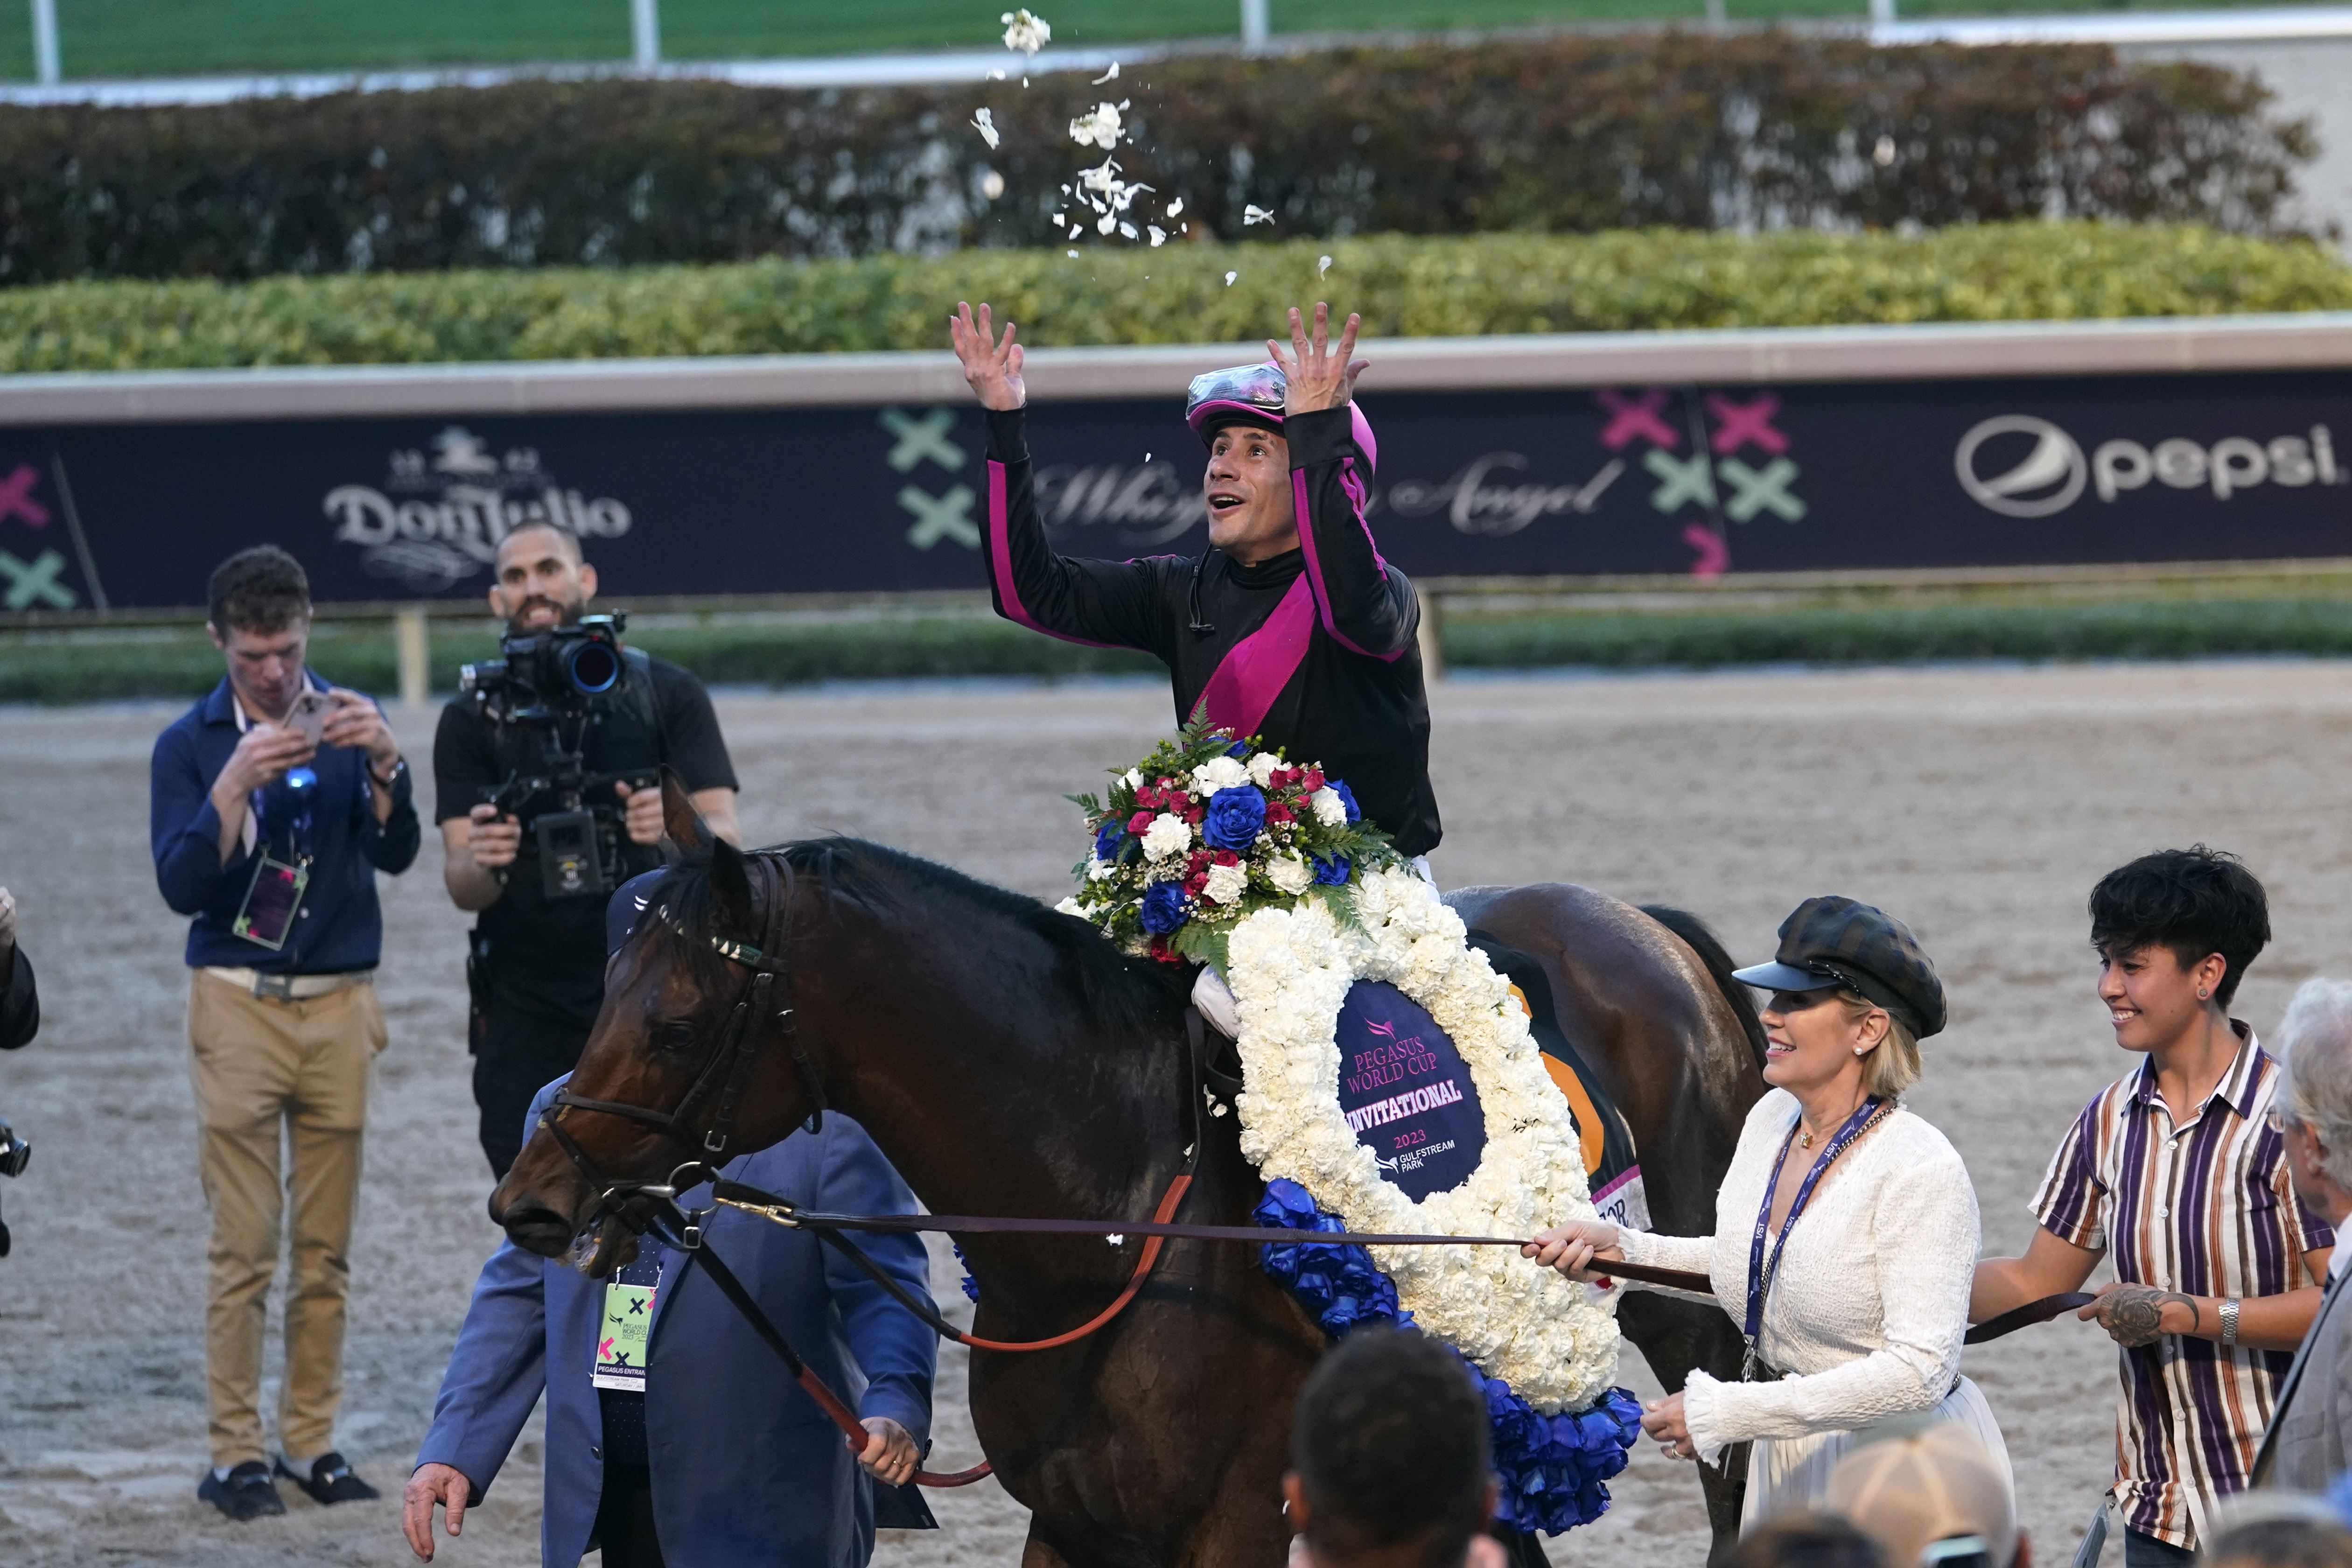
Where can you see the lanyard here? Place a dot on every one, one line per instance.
(1761, 1272)
(297, 793)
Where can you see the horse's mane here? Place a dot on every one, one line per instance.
(1132, 996)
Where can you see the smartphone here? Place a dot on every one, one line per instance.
(309, 715)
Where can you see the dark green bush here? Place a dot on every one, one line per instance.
(1405, 286)
(1575, 134)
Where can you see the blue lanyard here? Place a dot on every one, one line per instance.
(1760, 1273)
(301, 791)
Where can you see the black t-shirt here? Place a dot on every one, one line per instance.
(546, 956)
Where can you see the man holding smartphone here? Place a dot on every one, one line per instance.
(276, 800)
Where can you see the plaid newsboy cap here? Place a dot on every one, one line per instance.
(1837, 940)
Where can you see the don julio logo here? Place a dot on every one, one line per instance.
(2021, 466)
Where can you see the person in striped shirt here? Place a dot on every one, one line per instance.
(2177, 1172)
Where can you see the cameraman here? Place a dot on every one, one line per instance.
(537, 968)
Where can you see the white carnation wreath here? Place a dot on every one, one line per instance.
(1290, 970)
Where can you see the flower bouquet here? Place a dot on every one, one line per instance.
(1209, 830)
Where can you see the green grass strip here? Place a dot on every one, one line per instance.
(1407, 286)
(91, 667)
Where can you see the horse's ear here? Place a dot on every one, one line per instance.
(680, 820)
(730, 882)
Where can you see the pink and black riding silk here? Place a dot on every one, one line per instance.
(1312, 651)
(1761, 1270)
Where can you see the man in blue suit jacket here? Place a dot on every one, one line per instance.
(724, 1461)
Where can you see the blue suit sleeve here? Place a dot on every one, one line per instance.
(184, 827)
(500, 1366)
(898, 1353)
(392, 844)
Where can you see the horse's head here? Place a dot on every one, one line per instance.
(683, 1061)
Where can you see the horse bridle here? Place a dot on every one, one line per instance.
(725, 1074)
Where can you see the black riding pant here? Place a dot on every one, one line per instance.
(521, 1054)
(625, 1519)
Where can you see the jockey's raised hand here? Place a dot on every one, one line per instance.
(993, 368)
(1317, 374)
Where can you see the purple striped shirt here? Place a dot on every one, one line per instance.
(2205, 1209)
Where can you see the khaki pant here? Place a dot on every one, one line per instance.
(260, 1063)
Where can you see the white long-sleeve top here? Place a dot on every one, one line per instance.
(1866, 1316)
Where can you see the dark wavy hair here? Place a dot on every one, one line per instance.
(259, 590)
(2191, 902)
(1389, 1440)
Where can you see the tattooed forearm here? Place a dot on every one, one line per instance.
(2133, 1315)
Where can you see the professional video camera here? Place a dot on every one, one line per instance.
(552, 685)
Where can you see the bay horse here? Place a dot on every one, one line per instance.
(1011, 1060)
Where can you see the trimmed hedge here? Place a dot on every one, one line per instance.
(1767, 129)
(2155, 629)
(1403, 286)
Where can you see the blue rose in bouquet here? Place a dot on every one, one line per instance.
(1331, 873)
(1234, 818)
(1347, 798)
(1163, 908)
(1107, 838)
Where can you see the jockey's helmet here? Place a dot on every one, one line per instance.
(1253, 395)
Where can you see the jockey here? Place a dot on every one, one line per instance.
(1290, 626)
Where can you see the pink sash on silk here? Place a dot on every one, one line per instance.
(1257, 669)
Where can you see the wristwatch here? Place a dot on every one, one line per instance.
(2228, 1321)
(387, 781)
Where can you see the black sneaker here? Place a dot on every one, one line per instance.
(331, 1479)
(246, 1494)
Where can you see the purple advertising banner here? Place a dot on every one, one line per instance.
(876, 499)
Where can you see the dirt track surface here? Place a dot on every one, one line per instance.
(1979, 804)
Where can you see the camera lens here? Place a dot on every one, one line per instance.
(594, 668)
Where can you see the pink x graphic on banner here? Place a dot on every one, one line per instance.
(1736, 423)
(16, 496)
(1631, 417)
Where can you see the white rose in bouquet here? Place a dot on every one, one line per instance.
(1218, 773)
(1329, 809)
(1290, 873)
(1225, 884)
(1262, 767)
(1168, 834)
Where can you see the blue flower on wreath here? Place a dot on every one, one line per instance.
(1234, 818)
(1106, 838)
(1347, 798)
(1331, 873)
(1551, 1467)
(1238, 749)
(1163, 908)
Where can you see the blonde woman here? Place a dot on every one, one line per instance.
(1845, 1229)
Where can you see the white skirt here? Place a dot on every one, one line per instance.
(1791, 1475)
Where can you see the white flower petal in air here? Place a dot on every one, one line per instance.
(997, 73)
(1099, 126)
(1076, 229)
(1111, 75)
(985, 123)
(1126, 229)
(1024, 32)
(1323, 268)
(1074, 256)
(1105, 223)
(1229, 278)
(1251, 214)
(1159, 236)
(1176, 208)
(991, 184)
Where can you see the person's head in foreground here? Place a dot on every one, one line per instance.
(542, 581)
(2175, 932)
(2277, 1529)
(1388, 1455)
(260, 620)
(1239, 415)
(2314, 1102)
(1930, 1493)
(1852, 996)
(1807, 1541)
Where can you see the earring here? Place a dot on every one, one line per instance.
(2201, 994)
(1861, 1050)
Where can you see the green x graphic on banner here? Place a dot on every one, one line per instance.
(1762, 491)
(941, 517)
(921, 439)
(1682, 480)
(37, 579)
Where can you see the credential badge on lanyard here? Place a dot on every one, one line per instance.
(265, 918)
(622, 1336)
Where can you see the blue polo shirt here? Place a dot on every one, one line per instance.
(340, 927)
